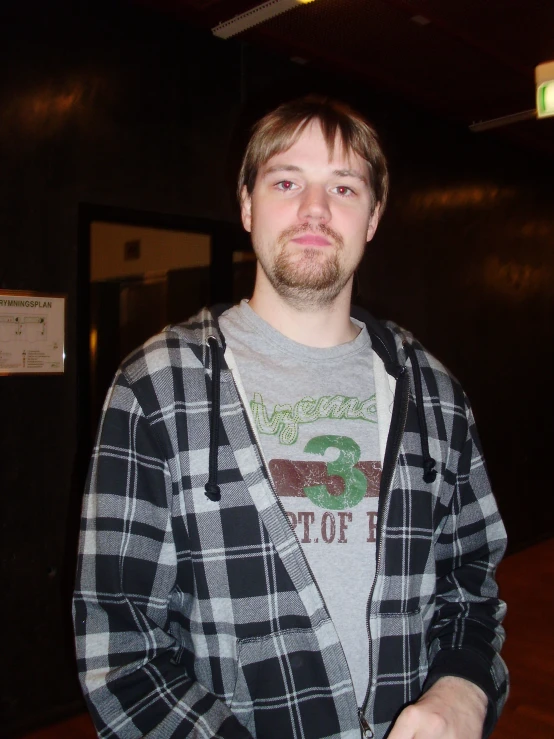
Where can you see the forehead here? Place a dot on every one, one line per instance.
(309, 148)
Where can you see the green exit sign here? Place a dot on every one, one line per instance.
(545, 99)
(544, 81)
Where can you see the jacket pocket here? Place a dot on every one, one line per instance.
(282, 687)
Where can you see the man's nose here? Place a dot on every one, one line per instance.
(314, 204)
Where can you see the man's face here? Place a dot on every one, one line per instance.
(310, 218)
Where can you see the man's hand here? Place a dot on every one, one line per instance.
(453, 708)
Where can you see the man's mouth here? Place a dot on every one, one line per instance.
(311, 240)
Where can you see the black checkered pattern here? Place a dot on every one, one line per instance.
(200, 618)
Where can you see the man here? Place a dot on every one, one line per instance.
(288, 529)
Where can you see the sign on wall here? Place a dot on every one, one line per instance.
(32, 333)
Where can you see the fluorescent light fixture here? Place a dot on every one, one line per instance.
(254, 16)
(544, 81)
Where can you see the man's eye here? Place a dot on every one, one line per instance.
(285, 185)
(344, 190)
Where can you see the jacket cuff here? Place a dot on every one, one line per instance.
(471, 666)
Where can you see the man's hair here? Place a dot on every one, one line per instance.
(280, 129)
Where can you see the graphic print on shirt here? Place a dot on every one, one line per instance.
(335, 485)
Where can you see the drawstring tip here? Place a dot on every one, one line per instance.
(429, 474)
(212, 491)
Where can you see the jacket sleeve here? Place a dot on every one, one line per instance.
(128, 660)
(466, 635)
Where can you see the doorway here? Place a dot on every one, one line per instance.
(138, 273)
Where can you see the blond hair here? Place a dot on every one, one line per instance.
(280, 129)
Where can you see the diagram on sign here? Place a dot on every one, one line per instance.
(23, 328)
(32, 333)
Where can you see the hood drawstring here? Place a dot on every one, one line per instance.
(212, 489)
(429, 473)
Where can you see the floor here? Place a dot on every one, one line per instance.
(527, 584)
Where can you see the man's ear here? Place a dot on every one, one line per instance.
(246, 209)
(373, 222)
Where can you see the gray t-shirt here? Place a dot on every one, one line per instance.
(315, 416)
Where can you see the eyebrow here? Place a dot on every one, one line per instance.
(336, 172)
(351, 173)
(281, 168)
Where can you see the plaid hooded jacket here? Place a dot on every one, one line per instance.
(196, 614)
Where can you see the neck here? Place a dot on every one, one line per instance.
(317, 326)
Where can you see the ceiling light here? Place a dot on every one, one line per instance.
(254, 16)
(544, 82)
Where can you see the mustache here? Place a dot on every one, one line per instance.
(322, 230)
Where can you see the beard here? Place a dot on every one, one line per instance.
(307, 278)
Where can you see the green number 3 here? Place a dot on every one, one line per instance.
(355, 482)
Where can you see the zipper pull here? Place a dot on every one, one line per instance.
(367, 733)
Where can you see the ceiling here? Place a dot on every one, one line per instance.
(469, 61)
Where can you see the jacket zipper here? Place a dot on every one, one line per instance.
(367, 732)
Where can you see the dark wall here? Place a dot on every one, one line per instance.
(116, 106)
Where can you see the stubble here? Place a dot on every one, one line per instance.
(309, 278)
